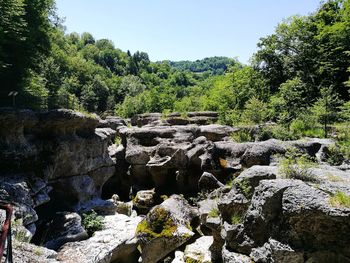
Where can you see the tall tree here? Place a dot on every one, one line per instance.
(24, 39)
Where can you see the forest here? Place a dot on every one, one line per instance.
(298, 78)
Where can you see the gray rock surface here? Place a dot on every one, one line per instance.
(232, 257)
(199, 250)
(274, 251)
(253, 175)
(115, 243)
(292, 213)
(29, 253)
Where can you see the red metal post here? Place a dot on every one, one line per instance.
(5, 228)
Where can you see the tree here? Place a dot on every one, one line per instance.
(131, 85)
(101, 91)
(325, 108)
(87, 38)
(255, 111)
(89, 99)
(345, 111)
(290, 101)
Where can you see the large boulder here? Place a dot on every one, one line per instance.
(208, 182)
(64, 122)
(295, 214)
(25, 192)
(232, 204)
(260, 153)
(274, 251)
(144, 119)
(251, 177)
(232, 257)
(115, 243)
(203, 117)
(216, 132)
(166, 227)
(17, 150)
(144, 200)
(112, 122)
(65, 227)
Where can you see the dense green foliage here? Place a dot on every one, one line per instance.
(299, 76)
(25, 27)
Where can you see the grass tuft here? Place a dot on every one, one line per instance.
(340, 199)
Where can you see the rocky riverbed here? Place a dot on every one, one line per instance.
(175, 189)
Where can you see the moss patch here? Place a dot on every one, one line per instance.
(191, 260)
(159, 223)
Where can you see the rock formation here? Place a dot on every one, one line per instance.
(169, 189)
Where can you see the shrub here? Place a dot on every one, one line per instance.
(242, 135)
(92, 222)
(230, 117)
(334, 155)
(166, 113)
(255, 111)
(305, 125)
(340, 199)
(343, 138)
(264, 134)
(280, 132)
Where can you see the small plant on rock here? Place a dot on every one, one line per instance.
(117, 140)
(92, 222)
(296, 165)
(236, 219)
(244, 186)
(214, 212)
(340, 199)
(165, 113)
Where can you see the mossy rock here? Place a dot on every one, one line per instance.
(159, 223)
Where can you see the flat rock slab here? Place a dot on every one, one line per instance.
(199, 250)
(115, 243)
(29, 253)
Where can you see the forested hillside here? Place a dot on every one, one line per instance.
(213, 65)
(299, 73)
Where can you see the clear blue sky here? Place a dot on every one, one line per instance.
(182, 29)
